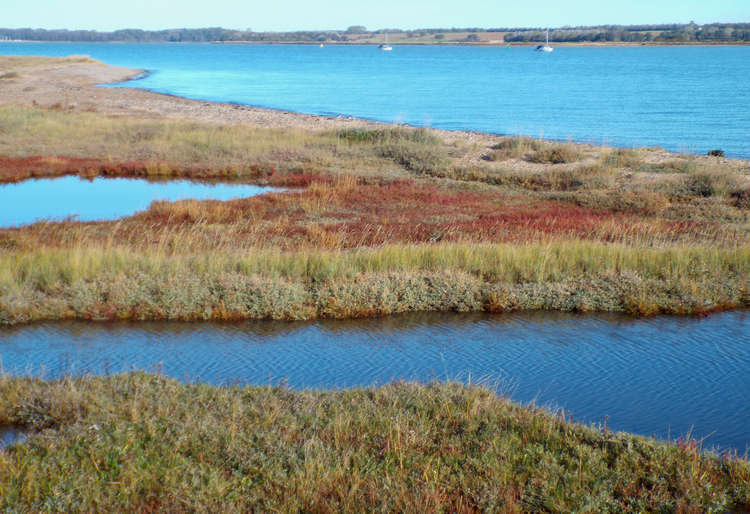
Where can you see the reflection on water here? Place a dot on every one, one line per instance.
(102, 198)
(661, 376)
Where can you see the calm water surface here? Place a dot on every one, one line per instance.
(102, 198)
(690, 99)
(663, 376)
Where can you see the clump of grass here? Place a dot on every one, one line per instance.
(9, 75)
(514, 148)
(416, 157)
(622, 158)
(556, 154)
(416, 150)
(141, 442)
(387, 135)
(708, 182)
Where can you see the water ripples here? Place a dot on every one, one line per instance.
(662, 376)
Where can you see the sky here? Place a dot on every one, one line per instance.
(285, 15)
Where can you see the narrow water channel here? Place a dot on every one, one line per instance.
(665, 376)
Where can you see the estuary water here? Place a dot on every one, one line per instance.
(102, 198)
(664, 376)
(688, 99)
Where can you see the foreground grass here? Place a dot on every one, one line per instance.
(119, 283)
(144, 442)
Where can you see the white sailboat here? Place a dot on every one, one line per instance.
(385, 46)
(545, 47)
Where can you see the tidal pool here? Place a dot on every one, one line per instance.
(10, 435)
(664, 376)
(103, 198)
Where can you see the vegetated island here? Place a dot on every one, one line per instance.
(378, 219)
(664, 34)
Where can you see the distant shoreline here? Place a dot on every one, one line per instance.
(478, 44)
(402, 44)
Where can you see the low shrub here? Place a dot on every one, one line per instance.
(415, 157)
(741, 198)
(708, 182)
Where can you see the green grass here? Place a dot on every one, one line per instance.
(146, 443)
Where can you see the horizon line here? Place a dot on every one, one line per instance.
(465, 28)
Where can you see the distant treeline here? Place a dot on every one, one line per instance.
(691, 33)
(715, 32)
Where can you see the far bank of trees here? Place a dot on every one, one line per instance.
(688, 33)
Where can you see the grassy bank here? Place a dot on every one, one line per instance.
(124, 284)
(143, 442)
(380, 220)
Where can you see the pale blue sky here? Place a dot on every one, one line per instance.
(339, 14)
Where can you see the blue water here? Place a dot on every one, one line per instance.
(102, 198)
(689, 99)
(665, 376)
(10, 435)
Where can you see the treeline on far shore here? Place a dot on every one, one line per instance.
(672, 33)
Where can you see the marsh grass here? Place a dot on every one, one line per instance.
(169, 148)
(568, 179)
(141, 442)
(363, 236)
(122, 284)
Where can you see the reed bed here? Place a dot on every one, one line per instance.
(270, 284)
